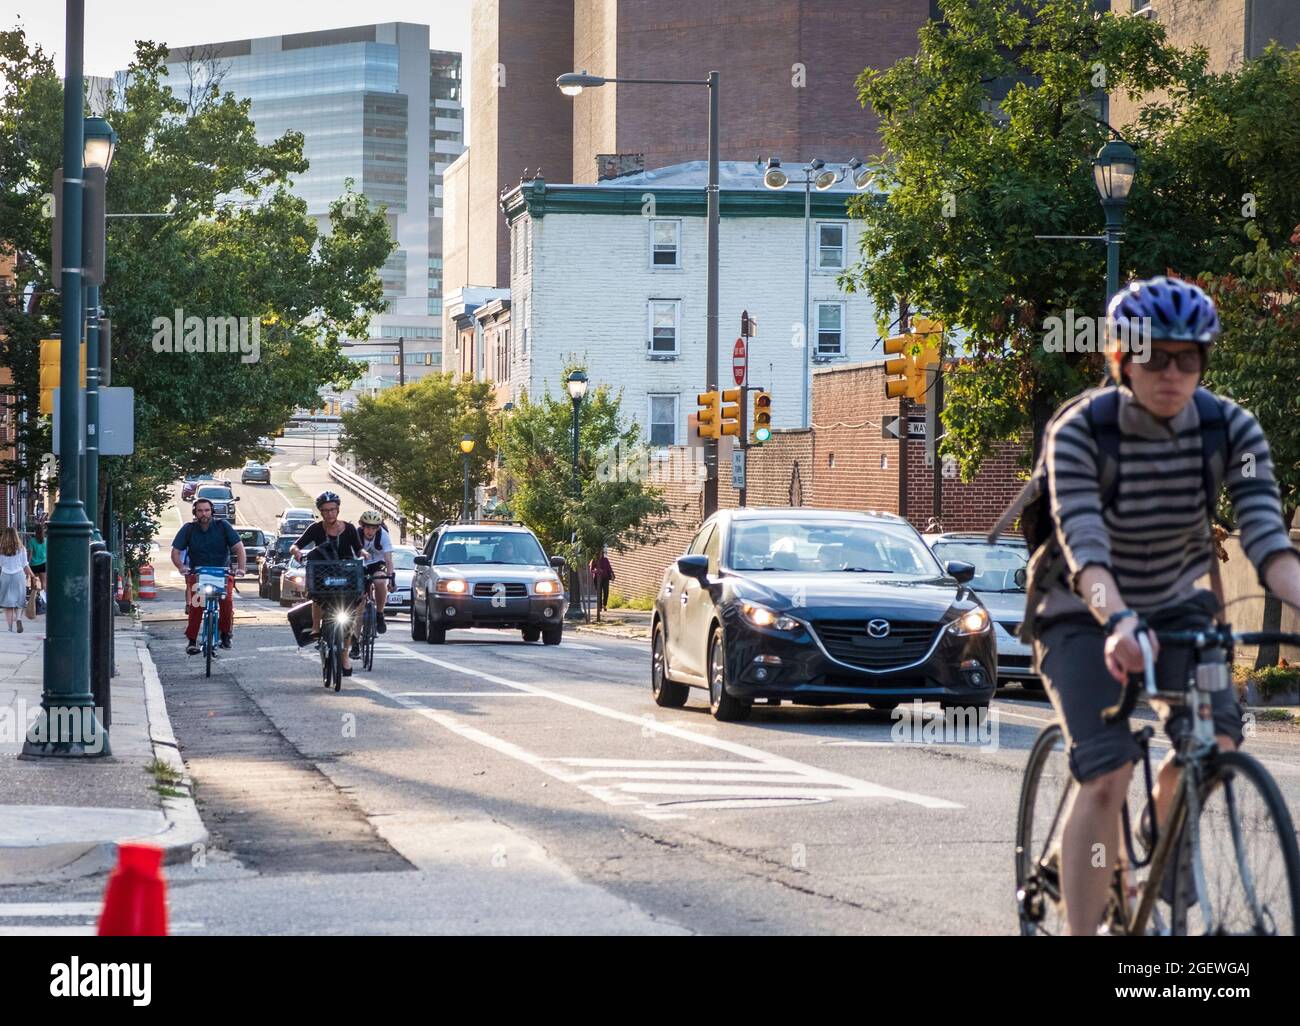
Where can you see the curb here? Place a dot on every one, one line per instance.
(185, 827)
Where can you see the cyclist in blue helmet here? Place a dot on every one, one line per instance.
(1133, 475)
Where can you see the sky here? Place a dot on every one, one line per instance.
(113, 26)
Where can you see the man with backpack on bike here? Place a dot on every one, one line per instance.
(1119, 513)
(207, 542)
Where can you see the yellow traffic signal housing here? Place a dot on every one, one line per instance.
(762, 418)
(710, 414)
(731, 413)
(51, 354)
(899, 370)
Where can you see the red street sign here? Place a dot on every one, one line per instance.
(739, 361)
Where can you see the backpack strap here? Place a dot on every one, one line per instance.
(1103, 420)
(1214, 460)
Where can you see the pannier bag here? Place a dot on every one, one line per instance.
(300, 621)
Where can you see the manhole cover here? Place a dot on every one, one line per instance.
(741, 803)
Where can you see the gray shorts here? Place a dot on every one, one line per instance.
(1070, 657)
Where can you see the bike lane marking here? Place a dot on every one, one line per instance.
(769, 775)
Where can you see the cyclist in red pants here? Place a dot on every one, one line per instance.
(207, 542)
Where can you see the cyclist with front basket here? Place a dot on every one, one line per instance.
(207, 542)
(1133, 473)
(328, 538)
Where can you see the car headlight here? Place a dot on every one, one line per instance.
(973, 621)
(547, 587)
(761, 616)
(454, 587)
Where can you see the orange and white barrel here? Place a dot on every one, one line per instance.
(148, 589)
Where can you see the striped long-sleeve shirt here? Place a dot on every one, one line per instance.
(1154, 536)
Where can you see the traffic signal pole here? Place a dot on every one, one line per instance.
(68, 725)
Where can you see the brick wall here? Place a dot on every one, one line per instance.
(972, 506)
(856, 466)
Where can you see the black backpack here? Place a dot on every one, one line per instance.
(1033, 505)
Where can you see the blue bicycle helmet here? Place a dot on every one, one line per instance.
(1178, 311)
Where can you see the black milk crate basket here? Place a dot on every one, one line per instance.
(328, 578)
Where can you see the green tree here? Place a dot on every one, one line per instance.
(238, 243)
(407, 439)
(618, 508)
(970, 182)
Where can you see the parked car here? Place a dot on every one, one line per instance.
(999, 582)
(272, 566)
(817, 607)
(399, 591)
(254, 547)
(486, 576)
(254, 471)
(222, 499)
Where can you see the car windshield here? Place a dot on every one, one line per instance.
(828, 547)
(513, 547)
(995, 565)
(214, 492)
(252, 537)
(403, 559)
(283, 545)
(253, 466)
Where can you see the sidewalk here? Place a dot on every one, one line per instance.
(621, 623)
(65, 817)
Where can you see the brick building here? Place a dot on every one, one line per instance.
(842, 462)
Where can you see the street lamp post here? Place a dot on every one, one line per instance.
(100, 143)
(466, 447)
(68, 716)
(573, 84)
(1113, 171)
(815, 173)
(577, 385)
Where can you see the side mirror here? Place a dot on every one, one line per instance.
(558, 563)
(694, 566)
(963, 572)
(421, 560)
(1021, 577)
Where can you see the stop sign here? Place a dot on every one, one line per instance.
(739, 361)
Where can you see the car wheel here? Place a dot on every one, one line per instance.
(552, 635)
(532, 634)
(667, 693)
(418, 626)
(261, 589)
(273, 589)
(724, 707)
(1034, 684)
(433, 635)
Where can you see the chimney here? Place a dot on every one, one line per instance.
(616, 165)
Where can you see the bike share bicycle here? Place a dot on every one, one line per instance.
(370, 621)
(210, 585)
(337, 584)
(1235, 863)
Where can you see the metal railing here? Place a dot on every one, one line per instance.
(377, 498)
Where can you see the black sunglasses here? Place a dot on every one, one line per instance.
(1188, 360)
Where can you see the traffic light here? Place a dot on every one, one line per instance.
(710, 414)
(731, 413)
(762, 418)
(900, 369)
(50, 371)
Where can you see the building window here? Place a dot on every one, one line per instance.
(523, 326)
(665, 243)
(663, 420)
(830, 247)
(830, 329)
(665, 315)
(527, 239)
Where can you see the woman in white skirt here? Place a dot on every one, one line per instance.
(15, 576)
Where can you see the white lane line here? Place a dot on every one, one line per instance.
(667, 764)
(581, 647)
(464, 694)
(47, 931)
(11, 909)
(851, 786)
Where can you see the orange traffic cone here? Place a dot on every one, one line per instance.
(135, 900)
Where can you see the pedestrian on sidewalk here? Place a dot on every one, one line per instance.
(36, 555)
(15, 577)
(602, 573)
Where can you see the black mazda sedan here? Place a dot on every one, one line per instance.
(818, 607)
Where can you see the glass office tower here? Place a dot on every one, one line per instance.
(376, 105)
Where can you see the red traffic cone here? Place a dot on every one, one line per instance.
(135, 900)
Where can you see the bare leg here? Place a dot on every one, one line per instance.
(1090, 847)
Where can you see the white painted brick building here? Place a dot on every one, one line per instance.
(613, 276)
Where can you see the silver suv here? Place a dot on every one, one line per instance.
(487, 575)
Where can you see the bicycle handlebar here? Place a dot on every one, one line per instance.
(1211, 637)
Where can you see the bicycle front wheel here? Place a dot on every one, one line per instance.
(209, 640)
(1045, 796)
(368, 632)
(1245, 844)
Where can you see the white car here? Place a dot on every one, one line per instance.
(999, 584)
